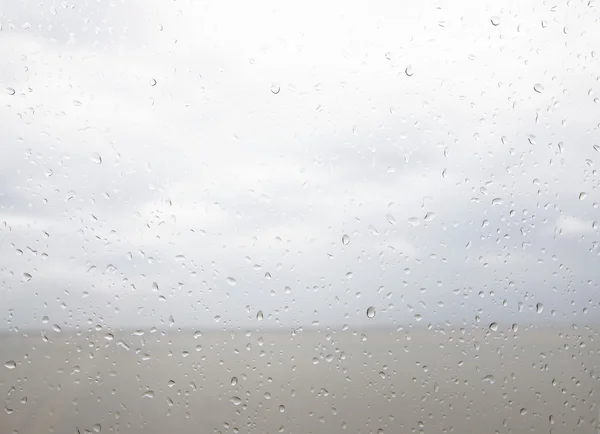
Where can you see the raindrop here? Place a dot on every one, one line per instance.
(523, 412)
(236, 400)
(409, 71)
(231, 281)
(390, 218)
(495, 21)
(515, 328)
(494, 326)
(371, 312)
(152, 82)
(10, 90)
(275, 89)
(234, 381)
(413, 221)
(429, 216)
(489, 379)
(56, 328)
(26, 277)
(538, 88)
(97, 427)
(582, 195)
(259, 315)
(96, 158)
(539, 308)
(11, 364)
(148, 394)
(345, 240)
(281, 409)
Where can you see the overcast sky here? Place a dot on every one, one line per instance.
(189, 163)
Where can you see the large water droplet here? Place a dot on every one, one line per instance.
(234, 381)
(10, 91)
(494, 326)
(11, 364)
(236, 400)
(371, 312)
(582, 195)
(539, 308)
(345, 240)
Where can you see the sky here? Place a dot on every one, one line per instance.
(193, 164)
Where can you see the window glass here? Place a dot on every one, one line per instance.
(299, 217)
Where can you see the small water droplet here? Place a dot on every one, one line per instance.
(495, 21)
(582, 195)
(494, 326)
(97, 427)
(281, 409)
(429, 216)
(515, 328)
(236, 400)
(489, 379)
(96, 158)
(539, 308)
(56, 328)
(523, 412)
(345, 240)
(538, 88)
(275, 89)
(409, 71)
(390, 218)
(234, 381)
(413, 221)
(11, 364)
(231, 281)
(371, 312)
(26, 277)
(148, 394)
(259, 315)
(10, 91)
(152, 82)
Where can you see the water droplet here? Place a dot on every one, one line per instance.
(409, 71)
(275, 89)
(494, 326)
(231, 281)
(538, 88)
(10, 90)
(413, 221)
(345, 240)
(539, 308)
(234, 381)
(429, 216)
(489, 379)
(281, 409)
(371, 312)
(97, 427)
(515, 328)
(495, 21)
(152, 82)
(523, 412)
(148, 394)
(544, 24)
(596, 148)
(582, 195)
(11, 364)
(236, 400)
(390, 218)
(56, 328)
(26, 277)
(259, 315)
(96, 158)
